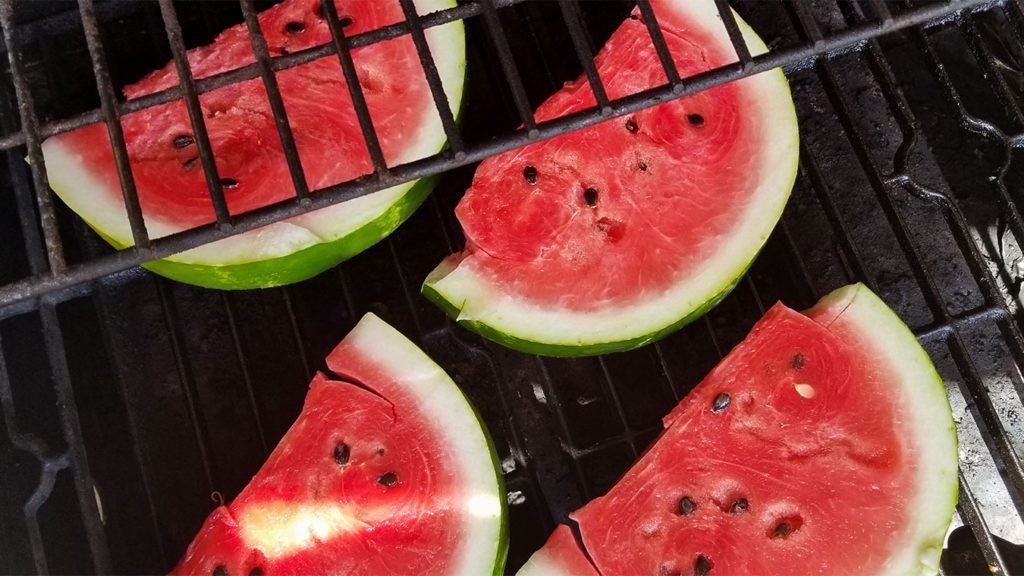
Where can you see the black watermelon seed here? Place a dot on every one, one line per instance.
(294, 27)
(345, 22)
(695, 119)
(783, 529)
(687, 506)
(797, 361)
(183, 141)
(590, 196)
(720, 403)
(388, 479)
(631, 126)
(190, 164)
(739, 506)
(702, 566)
(530, 173)
(220, 570)
(257, 571)
(228, 183)
(284, 51)
(642, 166)
(341, 453)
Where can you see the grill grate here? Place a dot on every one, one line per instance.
(122, 412)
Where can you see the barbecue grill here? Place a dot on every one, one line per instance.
(131, 403)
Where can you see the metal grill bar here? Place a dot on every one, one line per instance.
(251, 71)
(72, 431)
(195, 113)
(444, 108)
(660, 46)
(508, 65)
(735, 36)
(284, 129)
(162, 247)
(341, 46)
(585, 53)
(111, 114)
(30, 127)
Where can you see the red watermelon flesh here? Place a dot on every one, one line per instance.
(822, 444)
(666, 182)
(367, 480)
(243, 135)
(561, 554)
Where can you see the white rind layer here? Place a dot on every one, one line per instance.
(890, 343)
(452, 416)
(103, 208)
(479, 300)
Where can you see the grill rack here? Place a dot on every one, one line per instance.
(44, 293)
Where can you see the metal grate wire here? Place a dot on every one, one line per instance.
(566, 429)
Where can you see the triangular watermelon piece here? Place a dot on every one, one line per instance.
(388, 471)
(250, 159)
(615, 235)
(822, 444)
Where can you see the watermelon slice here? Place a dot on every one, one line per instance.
(610, 237)
(250, 159)
(388, 471)
(822, 444)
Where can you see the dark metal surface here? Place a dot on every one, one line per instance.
(129, 399)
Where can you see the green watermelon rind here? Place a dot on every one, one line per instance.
(310, 260)
(424, 378)
(574, 350)
(931, 417)
(297, 266)
(446, 294)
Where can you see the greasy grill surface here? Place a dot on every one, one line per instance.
(128, 400)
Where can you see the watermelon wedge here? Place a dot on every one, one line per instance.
(822, 444)
(387, 470)
(250, 159)
(610, 237)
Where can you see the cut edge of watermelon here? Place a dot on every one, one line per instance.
(934, 429)
(294, 249)
(463, 431)
(480, 305)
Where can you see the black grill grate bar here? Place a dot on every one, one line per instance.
(284, 129)
(508, 65)
(735, 36)
(983, 54)
(584, 52)
(111, 114)
(72, 431)
(166, 246)
(970, 512)
(243, 367)
(186, 381)
(30, 128)
(195, 112)
(355, 90)
(106, 330)
(251, 71)
(808, 25)
(441, 101)
(883, 11)
(660, 46)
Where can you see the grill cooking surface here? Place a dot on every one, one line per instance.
(129, 399)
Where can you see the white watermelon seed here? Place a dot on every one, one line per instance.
(805, 390)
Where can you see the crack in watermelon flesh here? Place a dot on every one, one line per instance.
(822, 444)
(413, 490)
(667, 182)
